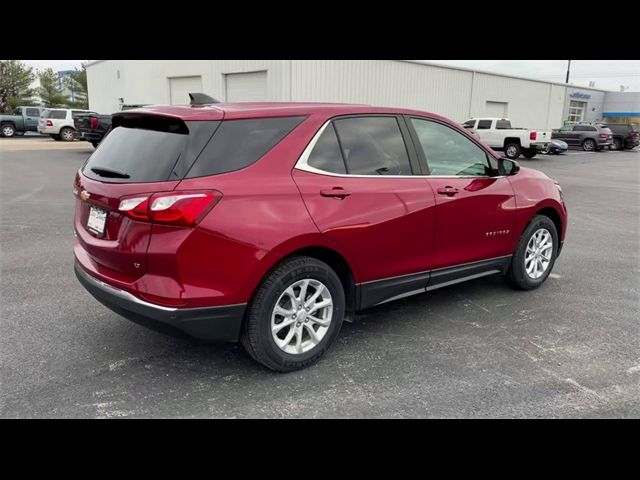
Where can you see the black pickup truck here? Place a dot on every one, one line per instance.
(92, 127)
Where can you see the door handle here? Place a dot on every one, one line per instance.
(335, 192)
(449, 191)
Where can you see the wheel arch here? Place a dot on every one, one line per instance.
(509, 140)
(330, 255)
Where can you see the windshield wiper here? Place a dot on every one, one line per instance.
(109, 172)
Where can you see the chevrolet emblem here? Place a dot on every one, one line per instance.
(84, 195)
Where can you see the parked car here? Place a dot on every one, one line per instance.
(589, 137)
(91, 127)
(500, 135)
(270, 223)
(557, 147)
(23, 119)
(58, 123)
(625, 135)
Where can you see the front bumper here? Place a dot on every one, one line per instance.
(209, 323)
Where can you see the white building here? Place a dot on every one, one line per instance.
(453, 92)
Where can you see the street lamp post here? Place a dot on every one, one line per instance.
(568, 69)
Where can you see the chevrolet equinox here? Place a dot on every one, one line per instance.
(269, 223)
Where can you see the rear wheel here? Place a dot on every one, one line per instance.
(56, 137)
(589, 145)
(533, 260)
(295, 315)
(617, 144)
(529, 152)
(19, 134)
(7, 130)
(512, 150)
(66, 134)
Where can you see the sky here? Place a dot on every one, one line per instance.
(607, 74)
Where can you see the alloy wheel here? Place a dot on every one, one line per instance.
(301, 316)
(538, 255)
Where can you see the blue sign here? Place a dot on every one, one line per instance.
(586, 96)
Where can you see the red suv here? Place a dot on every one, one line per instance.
(269, 223)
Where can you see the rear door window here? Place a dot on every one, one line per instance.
(503, 124)
(33, 112)
(326, 154)
(484, 124)
(237, 144)
(373, 146)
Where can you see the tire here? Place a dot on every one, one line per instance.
(7, 130)
(617, 144)
(56, 137)
(529, 152)
(95, 144)
(589, 145)
(66, 134)
(257, 337)
(517, 275)
(512, 150)
(19, 134)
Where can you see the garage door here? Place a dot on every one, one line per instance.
(246, 87)
(181, 87)
(496, 109)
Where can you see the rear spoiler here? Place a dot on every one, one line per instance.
(201, 99)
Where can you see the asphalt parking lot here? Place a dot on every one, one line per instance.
(479, 349)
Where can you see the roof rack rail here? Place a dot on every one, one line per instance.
(201, 99)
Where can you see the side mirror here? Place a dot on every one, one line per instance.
(507, 166)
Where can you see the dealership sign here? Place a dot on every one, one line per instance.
(586, 96)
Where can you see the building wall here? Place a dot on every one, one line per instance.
(593, 98)
(622, 107)
(384, 83)
(147, 81)
(455, 93)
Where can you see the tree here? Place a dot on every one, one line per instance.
(51, 90)
(77, 83)
(15, 85)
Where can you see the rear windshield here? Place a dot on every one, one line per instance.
(153, 149)
(57, 114)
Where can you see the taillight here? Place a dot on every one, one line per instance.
(184, 209)
(93, 123)
(533, 135)
(604, 135)
(49, 123)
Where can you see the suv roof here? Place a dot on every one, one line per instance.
(227, 111)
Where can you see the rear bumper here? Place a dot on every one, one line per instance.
(209, 323)
(88, 136)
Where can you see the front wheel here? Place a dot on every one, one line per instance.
(8, 130)
(533, 260)
(295, 315)
(529, 152)
(512, 150)
(66, 134)
(56, 137)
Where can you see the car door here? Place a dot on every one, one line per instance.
(474, 205)
(565, 134)
(31, 118)
(356, 179)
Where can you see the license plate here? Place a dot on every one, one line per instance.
(97, 220)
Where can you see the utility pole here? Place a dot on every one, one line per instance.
(568, 69)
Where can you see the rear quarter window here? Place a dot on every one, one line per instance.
(56, 114)
(237, 144)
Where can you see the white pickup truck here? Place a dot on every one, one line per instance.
(499, 135)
